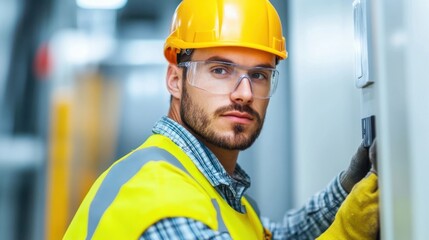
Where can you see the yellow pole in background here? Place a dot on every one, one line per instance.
(83, 137)
(60, 149)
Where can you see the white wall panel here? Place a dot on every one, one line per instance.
(325, 102)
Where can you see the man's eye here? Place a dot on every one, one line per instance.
(219, 70)
(259, 76)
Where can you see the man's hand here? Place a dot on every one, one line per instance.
(358, 168)
(373, 157)
(358, 216)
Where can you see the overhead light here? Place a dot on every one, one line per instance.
(101, 4)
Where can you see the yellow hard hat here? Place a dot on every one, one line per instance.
(216, 23)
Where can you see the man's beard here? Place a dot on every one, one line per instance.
(197, 120)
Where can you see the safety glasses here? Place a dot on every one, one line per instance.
(224, 77)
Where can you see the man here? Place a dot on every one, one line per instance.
(184, 181)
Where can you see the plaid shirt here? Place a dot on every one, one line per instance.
(307, 222)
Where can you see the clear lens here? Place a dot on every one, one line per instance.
(223, 77)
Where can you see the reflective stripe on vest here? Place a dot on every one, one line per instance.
(123, 172)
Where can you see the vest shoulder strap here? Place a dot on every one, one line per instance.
(123, 171)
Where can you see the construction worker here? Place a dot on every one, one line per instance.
(184, 182)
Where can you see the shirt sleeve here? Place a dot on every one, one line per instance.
(181, 228)
(313, 218)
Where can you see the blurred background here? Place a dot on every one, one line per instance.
(82, 83)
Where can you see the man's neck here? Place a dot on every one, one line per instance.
(228, 158)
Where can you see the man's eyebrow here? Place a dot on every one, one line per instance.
(222, 59)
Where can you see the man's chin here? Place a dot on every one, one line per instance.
(235, 142)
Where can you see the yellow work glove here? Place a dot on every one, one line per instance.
(358, 216)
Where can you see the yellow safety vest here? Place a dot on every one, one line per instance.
(135, 193)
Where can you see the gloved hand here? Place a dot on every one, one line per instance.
(358, 169)
(373, 156)
(358, 216)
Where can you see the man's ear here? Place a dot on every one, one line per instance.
(174, 80)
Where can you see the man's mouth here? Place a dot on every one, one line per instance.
(238, 117)
(238, 114)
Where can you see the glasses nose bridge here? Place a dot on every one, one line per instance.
(241, 70)
(240, 79)
(240, 73)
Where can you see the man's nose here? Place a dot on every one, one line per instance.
(243, 92)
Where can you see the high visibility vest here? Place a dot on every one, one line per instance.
(146, 186)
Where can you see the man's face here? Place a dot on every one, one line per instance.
(230, 121)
